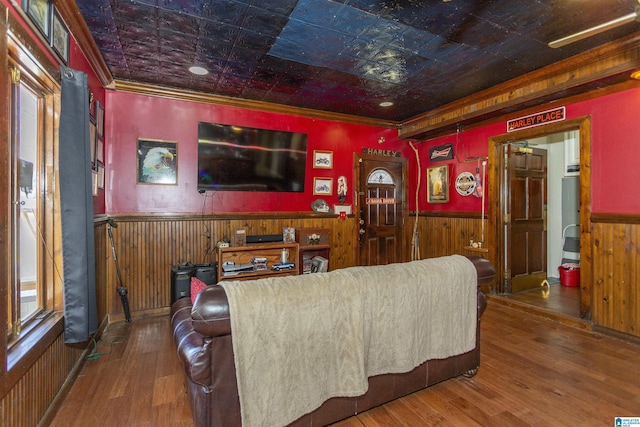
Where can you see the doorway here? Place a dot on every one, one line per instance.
(498, 195)
(381, 208)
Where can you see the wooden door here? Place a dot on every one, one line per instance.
(525, 217)
(381, 208)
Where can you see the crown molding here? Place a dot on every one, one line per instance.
(79, 30)
(173, 93)
(606, 65)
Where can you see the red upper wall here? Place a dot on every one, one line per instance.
(615, 137)
(132, 116)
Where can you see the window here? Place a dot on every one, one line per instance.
(33, 101)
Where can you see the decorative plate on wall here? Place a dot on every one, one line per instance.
(465, 183)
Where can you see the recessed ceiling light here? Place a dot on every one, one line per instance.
(386, 104)
(636, 75)
(199, 71)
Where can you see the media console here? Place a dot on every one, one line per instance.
(239, 260)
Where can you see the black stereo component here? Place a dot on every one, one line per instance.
(208, 273)
(180, 283)
(264, 238)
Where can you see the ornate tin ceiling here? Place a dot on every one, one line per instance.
(343, 56)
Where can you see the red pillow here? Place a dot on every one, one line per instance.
(197, 285)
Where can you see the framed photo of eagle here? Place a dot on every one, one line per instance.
(157, 162)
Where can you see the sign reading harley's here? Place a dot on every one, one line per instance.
(376, 152)
(537, 119)
(381, 200)
(441, 152)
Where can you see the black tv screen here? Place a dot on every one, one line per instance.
(240, 158)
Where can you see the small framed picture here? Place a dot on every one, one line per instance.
(157, 162)
(59, 37)
(323, 186)
(39, 12)
(322, 159)
(100, 176)
(92, 143)
(438, 184)
(100, 151)
(94, 182)
(100, 119)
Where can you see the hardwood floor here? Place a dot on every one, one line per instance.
(137, 382)
(534, 372)
(556, 302)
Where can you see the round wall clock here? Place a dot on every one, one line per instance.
(465, 183)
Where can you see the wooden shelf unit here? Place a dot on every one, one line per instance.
(313, 242)
(309, 251)
(244, 254)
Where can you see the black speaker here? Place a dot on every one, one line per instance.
(180, 283)
(208, 273)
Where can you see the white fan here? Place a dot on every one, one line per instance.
(626, 19)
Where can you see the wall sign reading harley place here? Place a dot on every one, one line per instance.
(538, 119)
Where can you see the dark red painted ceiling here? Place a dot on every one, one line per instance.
(343, 56)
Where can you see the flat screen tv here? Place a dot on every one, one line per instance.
(239, 158)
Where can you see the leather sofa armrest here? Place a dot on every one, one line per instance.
(210, 312)
(486, 272)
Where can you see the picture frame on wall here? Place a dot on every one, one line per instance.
(322, 186)
(322, 159)
(92, 143)
(59, 37)
(39, 13)
(438, 184)
(100, 119)
(157, 162)
(94, 182)
(100, 151)
(100, 175)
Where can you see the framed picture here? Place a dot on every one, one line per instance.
(38, 11)
(100, 119)
(92, 108)
(323, 186)
(322, 159)
(94, 182)
(92, 143)
(100, 176)
(100, 151)
(157, 162)
(59, 37)
(438, 184)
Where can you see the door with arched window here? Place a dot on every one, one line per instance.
(381, 208)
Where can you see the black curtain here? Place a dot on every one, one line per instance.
(76, 204)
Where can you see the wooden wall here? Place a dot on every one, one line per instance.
(148, 246)
(28, 400)
(615, 244)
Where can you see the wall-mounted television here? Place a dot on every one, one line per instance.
(239, 158)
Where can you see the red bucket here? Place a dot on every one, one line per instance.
(569, 276)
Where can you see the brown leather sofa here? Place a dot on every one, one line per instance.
(202, 334)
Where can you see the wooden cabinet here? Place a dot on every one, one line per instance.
(313, 242)
(309, 251)
(244, 255)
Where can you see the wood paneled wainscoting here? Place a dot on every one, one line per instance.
(34, 392)
(148, 245)
(447, 233)
(615, 241)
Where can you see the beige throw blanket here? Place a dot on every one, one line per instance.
(300, 340)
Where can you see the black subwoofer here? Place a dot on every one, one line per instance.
(181, 282)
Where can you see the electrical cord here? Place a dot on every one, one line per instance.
(108, 340)
(415, 241)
